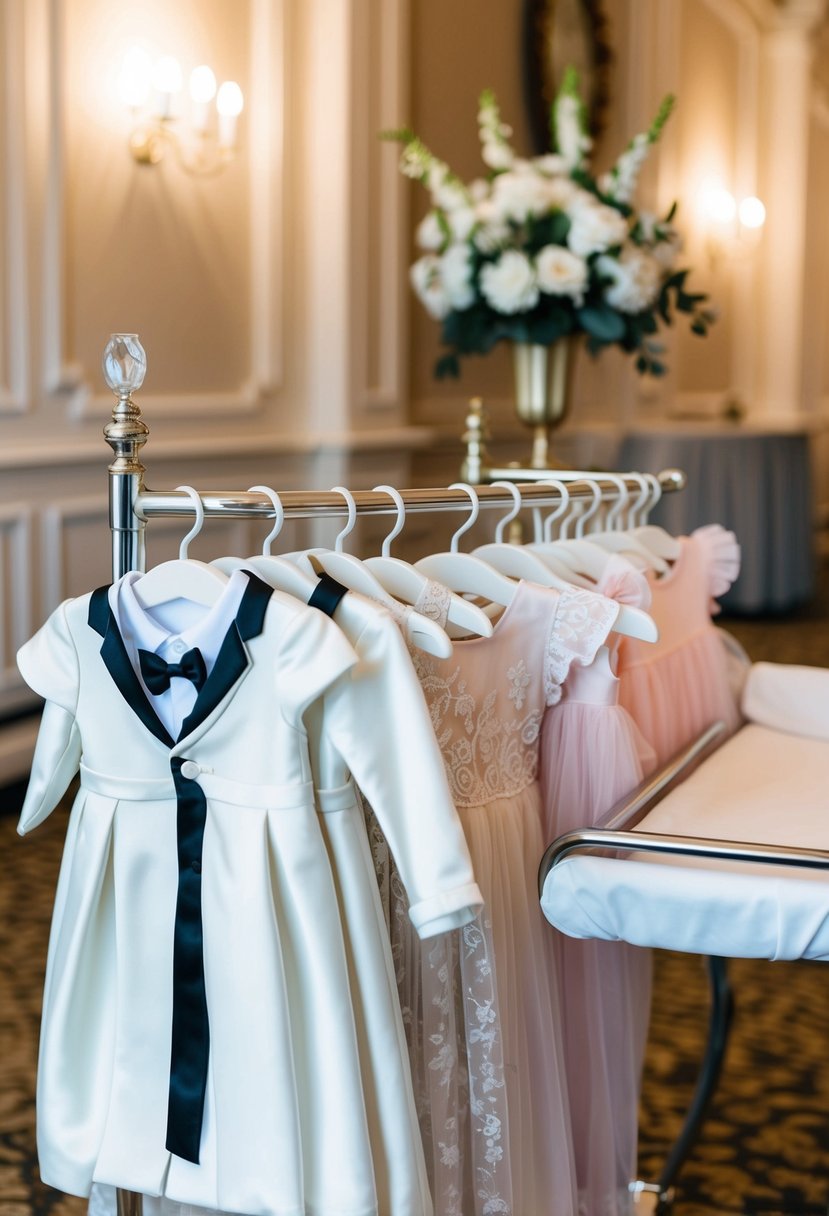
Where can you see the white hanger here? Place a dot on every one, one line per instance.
(185, 578)
(282, 574)
(352, 573)
(656, 539)
(581, 556)
(548, 550)
(406, 583)
(464, 573)
(518, 561)
(624, 542)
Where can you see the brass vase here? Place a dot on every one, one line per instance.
(543, 388)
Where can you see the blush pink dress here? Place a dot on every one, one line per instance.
(678, 686)
(487, 703)
(592, 754)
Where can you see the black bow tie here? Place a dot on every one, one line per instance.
(156, 672)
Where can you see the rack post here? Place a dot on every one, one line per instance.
(126, 434)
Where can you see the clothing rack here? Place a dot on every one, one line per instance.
(131, 504)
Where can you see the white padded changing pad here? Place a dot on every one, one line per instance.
(763, 786)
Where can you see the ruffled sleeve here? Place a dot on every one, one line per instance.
(48, 662)
(721, 554)
(580, 625)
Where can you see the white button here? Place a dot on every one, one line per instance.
(190, 770)
(178, 647)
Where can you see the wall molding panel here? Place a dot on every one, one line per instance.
(16, 616)
(14, 293)
(57, 521)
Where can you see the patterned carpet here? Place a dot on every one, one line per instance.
(764, 1147)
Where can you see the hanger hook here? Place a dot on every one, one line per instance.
(621, 502)
(397, 499)
(473, 514)
(198, 507)
(279, 516)
(517, 503)
(352, 516)
(635, 507)
(596, 490)
(561, 486)
(656, 485)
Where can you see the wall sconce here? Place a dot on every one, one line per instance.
(732, 229)
(152, 93)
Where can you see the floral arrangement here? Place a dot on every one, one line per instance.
(541, 249)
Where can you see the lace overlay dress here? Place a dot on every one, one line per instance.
(482, 1005)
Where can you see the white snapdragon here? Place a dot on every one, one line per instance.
(561, 273)
(509, 285)
(429, 233)
(495, 147)
(595, 228)
(425, 276)
(635, 278)
(620, 183)
(456, 276)
(569, 136)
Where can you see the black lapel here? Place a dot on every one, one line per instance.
(232, 660)
(114, 655)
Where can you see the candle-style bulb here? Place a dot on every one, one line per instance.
(230, 103)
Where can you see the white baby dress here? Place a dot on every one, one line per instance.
(284, 1129)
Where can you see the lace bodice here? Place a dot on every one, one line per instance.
(487, 701)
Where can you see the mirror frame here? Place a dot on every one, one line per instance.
(539, 82)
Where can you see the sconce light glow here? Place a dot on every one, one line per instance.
(202, 84)
(167, 77)
(134, 78)
(230, 101)
(751, 212)
(718, 203)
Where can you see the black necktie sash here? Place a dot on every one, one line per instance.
(157, 672)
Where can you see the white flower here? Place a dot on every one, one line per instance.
(430, 234)
(450, 195)
(550, 164)
(456, 276)
(515, 196)
(478, 189)
(497, 155)
(595, 228)
(561, 273)
(489, 238)
(635, 277)
(561, 193)
(620, 183)
(461, 222)
(509, 285)
(571, 140)
(426, 279)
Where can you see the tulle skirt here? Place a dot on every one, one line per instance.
(591, 756)
(673, 697)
